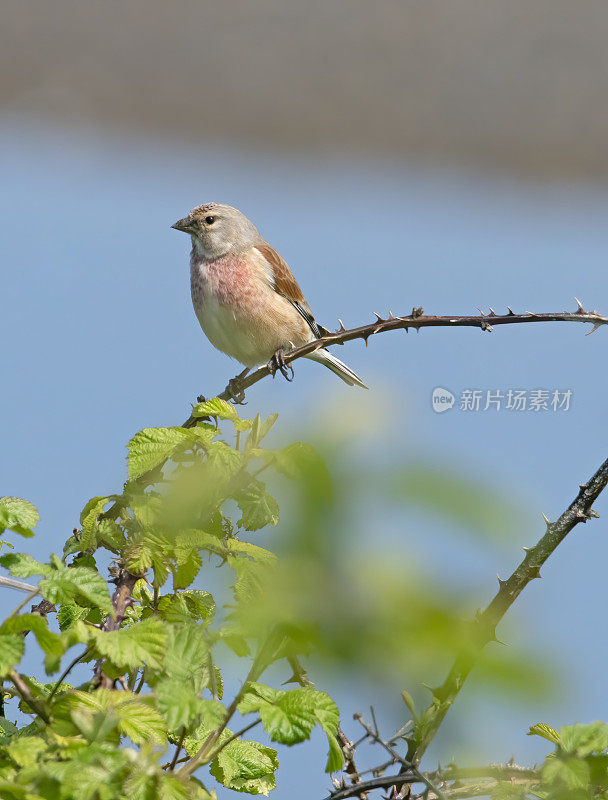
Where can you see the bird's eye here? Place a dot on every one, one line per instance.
(209, 220)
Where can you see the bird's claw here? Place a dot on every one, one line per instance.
(237, 392)
(278, 364)
(417, 312)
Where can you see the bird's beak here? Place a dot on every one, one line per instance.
(184, 225)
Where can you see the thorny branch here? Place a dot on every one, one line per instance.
(417, 319)
(579, 510)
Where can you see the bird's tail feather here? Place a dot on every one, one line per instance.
(335, 365)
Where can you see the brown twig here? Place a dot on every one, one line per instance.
(27, 697)
(494, 772)
(121, 599)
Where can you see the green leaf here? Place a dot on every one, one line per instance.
(25, 750)
(149, 549)
(151, 447)
(582, 740)
(69, 613)
(254, 552)
(194, 605)
(142, 643)
(222, 410)
(49, 641)
(21, 565)
(136, 718)
(12, 648)
(289, 717)
(259, 430)
(189, 563)
(571, 773)
(187, 656)
(246, 766)
(213, 715)
(88, 521)
(18, 515)
(82, 584)
(179, 704)
(258, 507)
(544, 730)
(224, 462)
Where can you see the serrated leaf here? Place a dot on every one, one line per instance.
(151, 447)
(82, 584)
(189, 563)
(187, 656)
(88, 521)
(22, 565)
(571, 773)
(25, 750)
(136, 718)
(18, 515)
(246, 766)
(544, 730)
(253, 551)
(179, 704)
(194, 605)
(258, 507)
(49, 641)
(69, 613)
(222, 410)
(128, 648)
(289, 716)
(149, 549)
(12, 648)
(224, 462)
(583, 740)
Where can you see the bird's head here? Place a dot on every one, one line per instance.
(217, 229)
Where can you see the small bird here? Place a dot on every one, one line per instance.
(247, 301)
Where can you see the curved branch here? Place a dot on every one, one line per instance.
(579, 510)
(416, 320)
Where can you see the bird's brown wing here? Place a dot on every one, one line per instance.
(286, 285)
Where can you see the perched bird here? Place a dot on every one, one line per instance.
(244, 295)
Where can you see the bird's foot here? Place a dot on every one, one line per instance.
(236, 389)
(277, 364)
(417, 312)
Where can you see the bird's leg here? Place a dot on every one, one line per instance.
(277, 363)
(235, 389)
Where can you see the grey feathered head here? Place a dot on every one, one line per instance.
(217, 229)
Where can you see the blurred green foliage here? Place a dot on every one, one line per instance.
(152, 721)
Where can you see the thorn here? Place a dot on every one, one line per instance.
(527, 549)
(593, 513)
(511, 312)
(341, 328)
(501, 583)
(580, 309)
(378, 317)
(390, 315)
(480, 311)
(595, 327)
(485, 326)
(366, 337)
(583, 486)
(492, 312)
(546, 520)
(536, 573)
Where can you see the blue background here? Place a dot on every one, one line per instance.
(98, 339)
